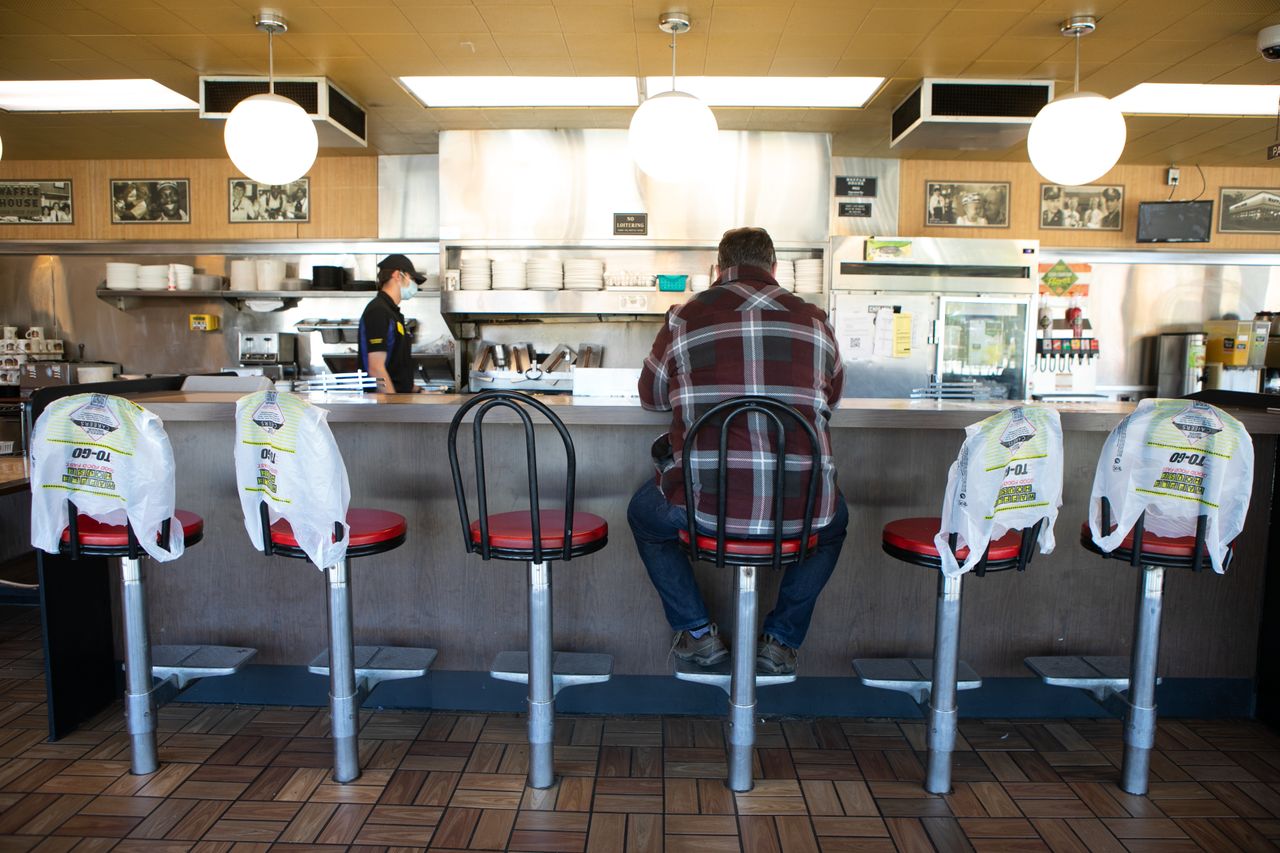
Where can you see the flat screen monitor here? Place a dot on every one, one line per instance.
(1174, 221)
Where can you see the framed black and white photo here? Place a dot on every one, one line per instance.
(249, 201)
(156, 200)
(1098, 207)
(966, 205)
(36, 202)
(1248, 210)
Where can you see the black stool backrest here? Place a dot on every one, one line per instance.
(1139, 528)
(135, 550)
(775, 411)
(1026, 549)
(517, 402)
(264, 519)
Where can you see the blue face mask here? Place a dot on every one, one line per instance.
(409, 289)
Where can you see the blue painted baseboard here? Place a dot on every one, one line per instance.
(653, 694)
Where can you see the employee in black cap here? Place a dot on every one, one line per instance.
(384, 343)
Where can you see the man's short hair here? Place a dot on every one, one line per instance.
(238, 185)
(746, 247)
(384, 276)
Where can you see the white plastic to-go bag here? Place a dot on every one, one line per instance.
(112, 459)
(286, 457)
(1175, 460)
(1008, 476)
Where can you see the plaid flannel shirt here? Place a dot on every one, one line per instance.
(746, 335)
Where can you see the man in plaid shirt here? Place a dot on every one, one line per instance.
(745, 335)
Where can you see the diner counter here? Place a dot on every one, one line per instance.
(851, 412)
(892, 457)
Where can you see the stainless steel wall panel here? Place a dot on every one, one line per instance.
(409, 197)
(884, 207)
(563, 186)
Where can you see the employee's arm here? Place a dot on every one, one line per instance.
(378, 370)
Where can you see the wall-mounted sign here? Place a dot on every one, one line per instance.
(855, 185)
(860, 209)
(1273, 151)
(630, 224)
(36, 201)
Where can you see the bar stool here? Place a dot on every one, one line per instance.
(536, 538)
(146, 667)
(738, 676)
(1105, 678)
(934, 683)
(353, 671)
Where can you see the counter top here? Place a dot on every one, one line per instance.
(866, 413)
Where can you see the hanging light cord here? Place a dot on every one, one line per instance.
(673, 60)
(271, 61)
(1077, 62)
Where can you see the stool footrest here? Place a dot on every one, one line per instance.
(721, 675)
(375, 664)
(185, 664)
(568, 669)
(913, 676)
(1102, 676)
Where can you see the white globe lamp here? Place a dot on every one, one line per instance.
(673, 134)
(1077, 138)
(271, 139)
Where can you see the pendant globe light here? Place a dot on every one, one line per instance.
(1077, 138)
(270, 138)
(672, 135)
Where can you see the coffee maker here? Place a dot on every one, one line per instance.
(276, 353)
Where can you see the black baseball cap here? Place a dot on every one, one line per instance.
(402, 264)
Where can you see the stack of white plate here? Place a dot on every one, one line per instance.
(786, 275)
(183, 276)
(244, 274)
(544, 274)
(583, 274)
(476, 274)
(809, 275)
(122, 276)
(508, 275)
(153, 277)
(700, 282)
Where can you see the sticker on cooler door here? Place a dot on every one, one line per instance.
(268, 415)
(1197, 422)
(95, 418)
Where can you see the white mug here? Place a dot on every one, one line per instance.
(7, 346)
(9, 332)
(35, 333)
(451, 279)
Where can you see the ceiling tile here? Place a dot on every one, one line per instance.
(749, 20)
(534, 66)
(533, 45)
(822, 19)
(146, 21)
(369, 19)
(812, 45)
(815, 66)
(596, 19)
(445, 19)
(881, 46)
(894, 21)
(507, 18)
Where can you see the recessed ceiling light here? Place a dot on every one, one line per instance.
(511, 91)
(89, 96)
(1199, 99)
(817, 92)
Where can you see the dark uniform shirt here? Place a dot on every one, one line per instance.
(382, 330)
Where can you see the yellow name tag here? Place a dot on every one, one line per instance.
(400, 327)
(375, 340)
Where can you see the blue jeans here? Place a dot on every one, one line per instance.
(655, 523)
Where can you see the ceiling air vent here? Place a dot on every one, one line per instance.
(340, 121)
(968, 114)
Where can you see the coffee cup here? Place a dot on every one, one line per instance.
(35, 333)
(9, 333)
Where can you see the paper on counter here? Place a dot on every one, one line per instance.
(901, 335)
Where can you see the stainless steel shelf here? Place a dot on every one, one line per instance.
(124, 248)
(127, 299)
(465, 303)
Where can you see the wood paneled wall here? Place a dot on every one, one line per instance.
(1141, 183)
(344, 200)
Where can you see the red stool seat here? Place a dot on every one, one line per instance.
(915, 536)
(749, 547)
(1177, 546)
(512, 531)
(95, 534)
(367, 527)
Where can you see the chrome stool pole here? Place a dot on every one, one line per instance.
(541, 691)
(139, 696)
(942, 694)
(1140, 716)
(742, 688)
(344, 698)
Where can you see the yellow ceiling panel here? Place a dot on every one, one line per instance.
(896, 21)
(747, 20)
(532, 45)
(846, 17)
(73, 21)
(596, 19)
(796, 46)
(882, 46)
(150, 21)
(369, 19)
(44, 47)
(508, 18)
(541, 66)
(800, 66)
(12, 23)
(445, 19)
(865, 67)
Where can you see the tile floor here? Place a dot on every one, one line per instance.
(248, 778)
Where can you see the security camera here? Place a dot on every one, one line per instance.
(1269, 43)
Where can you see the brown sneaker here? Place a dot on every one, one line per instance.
(706, 650)
(773, 658)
